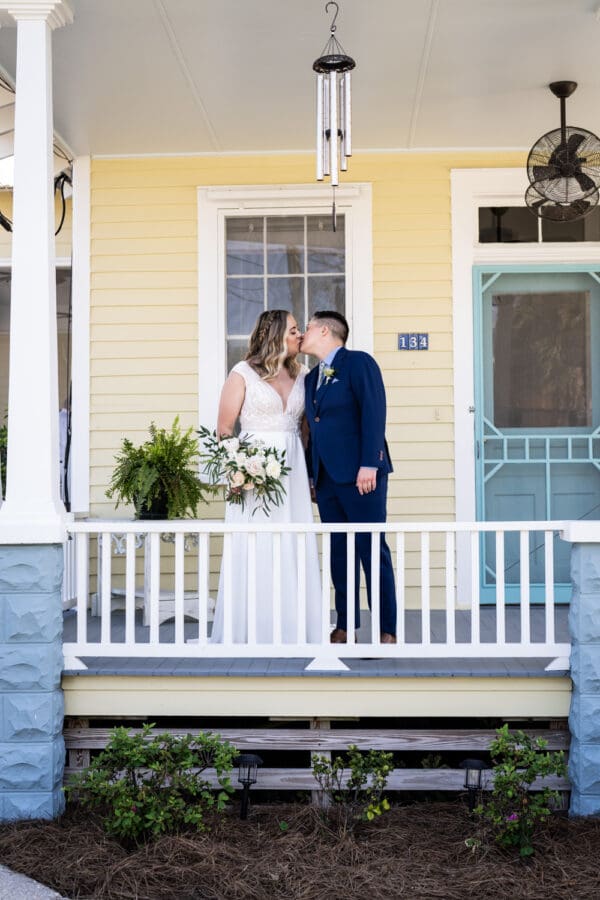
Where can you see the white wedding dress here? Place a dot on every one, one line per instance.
(264, 417)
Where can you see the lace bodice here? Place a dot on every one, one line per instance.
(262, 409)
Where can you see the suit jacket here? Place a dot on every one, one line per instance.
(346, 417)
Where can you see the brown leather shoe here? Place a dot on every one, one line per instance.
(388, 638)
(338, 636)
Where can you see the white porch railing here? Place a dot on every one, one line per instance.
(133, 576)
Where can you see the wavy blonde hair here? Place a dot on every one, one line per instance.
(267, 352)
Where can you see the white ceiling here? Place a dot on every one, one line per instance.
(190, 76)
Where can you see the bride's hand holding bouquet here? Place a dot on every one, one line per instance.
(242, 465)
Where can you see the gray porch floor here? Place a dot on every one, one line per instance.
(443, 668)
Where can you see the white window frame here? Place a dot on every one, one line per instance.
(353, 201)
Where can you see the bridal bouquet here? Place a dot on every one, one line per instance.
(244, 465)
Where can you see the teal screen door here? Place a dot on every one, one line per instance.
(537, 411)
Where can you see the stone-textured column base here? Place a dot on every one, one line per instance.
(584, 717)
(32, 754)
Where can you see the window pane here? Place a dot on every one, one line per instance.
(285, 245)
(244, 304)
(287, 293)
(326, 292)
(587, 229)
(244, 248)
(325, 247)
(507, 224)
(542, 360)
(236, 351)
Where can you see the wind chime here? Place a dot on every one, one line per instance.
(334, 109)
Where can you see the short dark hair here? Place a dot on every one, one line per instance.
(336, 322)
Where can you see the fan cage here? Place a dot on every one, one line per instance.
(565, 171)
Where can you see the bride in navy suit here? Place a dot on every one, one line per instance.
(348, 458)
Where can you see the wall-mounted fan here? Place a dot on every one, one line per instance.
(563, 167)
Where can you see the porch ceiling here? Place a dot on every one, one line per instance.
(185, 76)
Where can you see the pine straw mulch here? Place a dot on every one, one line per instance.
(289, 851)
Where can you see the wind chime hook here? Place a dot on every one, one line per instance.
(333, 26)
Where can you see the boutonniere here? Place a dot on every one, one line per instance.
(328, 374)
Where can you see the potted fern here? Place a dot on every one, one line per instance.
(159, 477)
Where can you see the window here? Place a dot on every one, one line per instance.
(542, 360)
(517, 225)
(296, 263)
(272, 246)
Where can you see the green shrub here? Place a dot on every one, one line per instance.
(148, 785)
(513, 811)
(362, 791)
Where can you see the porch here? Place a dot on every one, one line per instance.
(142, 601)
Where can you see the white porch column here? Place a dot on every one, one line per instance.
(33, 511)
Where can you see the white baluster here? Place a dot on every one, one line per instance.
(154, 577)
(301, 606)
(251, 580)
(400, 587)
(277, 588)
(350, 586)
(326, 588)
(500, 591)
(549, 585)
(450, 596)
(524, 587)
(425, 590)
(475, 585)
(203, 593)
(130, 589)
(179, 587)
(82, 557)
(105, 597)
(375, 588)
(227, 587)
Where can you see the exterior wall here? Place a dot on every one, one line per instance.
(144, 304)
(330, 697)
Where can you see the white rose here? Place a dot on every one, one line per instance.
(273, 469)
(254, 467)
(231, 445)
(240, 459)
(236, 479)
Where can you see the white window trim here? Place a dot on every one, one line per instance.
(214, 204)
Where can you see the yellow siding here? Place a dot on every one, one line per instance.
(144, 315)
(537, 698)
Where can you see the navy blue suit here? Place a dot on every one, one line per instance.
(346, 416)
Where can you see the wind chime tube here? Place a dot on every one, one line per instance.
(347, 126)
(342, 118)
(320, 128)
(333, 128)
(325, 127)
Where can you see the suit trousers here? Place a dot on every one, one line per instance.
(343, 503)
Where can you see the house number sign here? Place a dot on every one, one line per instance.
(413, 341)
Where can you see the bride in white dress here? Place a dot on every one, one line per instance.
(266, 392)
